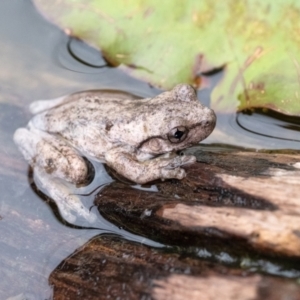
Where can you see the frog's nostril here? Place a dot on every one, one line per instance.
(205, 123)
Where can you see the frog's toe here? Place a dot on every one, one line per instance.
(177, 173)
(179, 161)
(187, 159)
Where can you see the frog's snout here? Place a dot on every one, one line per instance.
(207, 124)
(210, 121)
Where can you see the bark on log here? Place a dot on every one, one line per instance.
(237, 203)
(109, 268)
(235, 199)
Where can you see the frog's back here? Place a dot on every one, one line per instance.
(43, 105)
(79, 108)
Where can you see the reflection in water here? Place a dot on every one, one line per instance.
(85, 193)
(271, 125)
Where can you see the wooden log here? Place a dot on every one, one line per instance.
(108, 267)
(242, 200)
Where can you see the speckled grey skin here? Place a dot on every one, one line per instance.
(130, 135)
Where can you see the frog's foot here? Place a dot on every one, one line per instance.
(173, 162)
(55, 164)
(69, 205)
(164, 167)
(170, 167)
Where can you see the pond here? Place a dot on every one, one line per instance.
(39, 61)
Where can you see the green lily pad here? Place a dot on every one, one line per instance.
(168, 42)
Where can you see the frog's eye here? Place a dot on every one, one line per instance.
(177, 134)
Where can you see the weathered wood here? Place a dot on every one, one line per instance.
(216, 207)
(110, 268)
(235, 199)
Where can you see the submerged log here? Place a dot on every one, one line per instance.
(245, 201)
(108, 267)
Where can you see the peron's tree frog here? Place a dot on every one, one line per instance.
(132, 136)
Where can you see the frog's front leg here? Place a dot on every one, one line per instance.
(162, 167)
(57, 167)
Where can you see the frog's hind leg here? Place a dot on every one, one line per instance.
(53, 154)
(57, 167)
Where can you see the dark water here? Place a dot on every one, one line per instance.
(38, 61)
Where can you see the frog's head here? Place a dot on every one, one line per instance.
(175, 120)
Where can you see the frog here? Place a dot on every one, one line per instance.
(139, 138)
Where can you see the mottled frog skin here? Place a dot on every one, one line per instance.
(136, 137)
